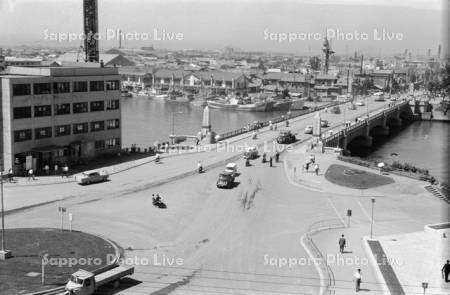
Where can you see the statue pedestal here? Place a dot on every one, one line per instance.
(5, 254)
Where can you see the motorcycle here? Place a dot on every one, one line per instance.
(157, 202)
(247, 162)
(200, 169)
(264, 158)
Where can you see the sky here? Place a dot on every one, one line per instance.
(296, 26)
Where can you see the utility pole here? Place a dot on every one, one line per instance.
(4, 254)
(371, 221)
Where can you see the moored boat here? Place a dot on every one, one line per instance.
(259, 106)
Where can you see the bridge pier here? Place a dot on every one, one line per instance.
(395, 123)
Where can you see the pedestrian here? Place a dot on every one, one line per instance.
(357, 279)
(307, 165)
(31, 174)
(277, 157)
(446, 271)
(10, 175)
(55, 169)
(65, 171)
(270, 161)
(316, 169)
(312, 158)
(46, 169)
(342, 244)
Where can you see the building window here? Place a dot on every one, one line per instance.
(97, 126)
(112, 85)
(42, 111)
(97, 106)
(112, 104)
(80, 128)
(97, 85)
(22, 112)
(80, 86)
(99, 144)
(62, 109)
(61, 87)
(42, 88)
(22, 135)
(21, 89)
(113, 124)
(62, 130)
(80, 107)
(112, 143)
(45, 132)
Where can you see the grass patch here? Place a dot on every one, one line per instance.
(28, 246)
(355, 178)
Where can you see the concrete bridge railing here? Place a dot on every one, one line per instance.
(364, 128)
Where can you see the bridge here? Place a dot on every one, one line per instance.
(378, 124)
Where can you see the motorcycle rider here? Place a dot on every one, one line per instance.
(199, 167)
(157, 158)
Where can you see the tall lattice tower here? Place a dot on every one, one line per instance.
(90, 16)
(327, 51)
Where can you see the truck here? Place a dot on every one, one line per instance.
(84, 282)
(286, 137)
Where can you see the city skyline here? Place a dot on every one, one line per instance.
(246, 26)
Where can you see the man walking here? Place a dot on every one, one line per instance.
(270, 161)
(446, 271)
(342, 244)
(277, 157)
(357, 279)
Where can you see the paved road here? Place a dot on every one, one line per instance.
(229, 240)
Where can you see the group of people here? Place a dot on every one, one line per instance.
(310, 162)
(158, 202)
(276, 156)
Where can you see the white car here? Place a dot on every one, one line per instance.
(231, 168)
(93, 176)
(360, 103)
(309, 129)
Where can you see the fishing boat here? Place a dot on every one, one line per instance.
(227, 103)
(258, 106)
(297, 104)
(282, 104)
(125, 93)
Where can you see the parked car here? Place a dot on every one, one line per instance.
(251, 153)
(286, 137)
(93, 176)
(226, 180)
(309, 129)
(360, 103)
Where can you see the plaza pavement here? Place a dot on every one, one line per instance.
(401, 209)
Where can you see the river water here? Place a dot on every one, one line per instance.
(144, 121)
(423, 144)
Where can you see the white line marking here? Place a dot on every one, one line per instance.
(365, 212)
(336, 211)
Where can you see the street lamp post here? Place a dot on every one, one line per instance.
(4, 254)
(371, 221)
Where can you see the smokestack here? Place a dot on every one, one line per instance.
(120, 39)
(429, 52)
(439, 51)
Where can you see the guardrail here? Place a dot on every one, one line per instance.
(326, 269)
